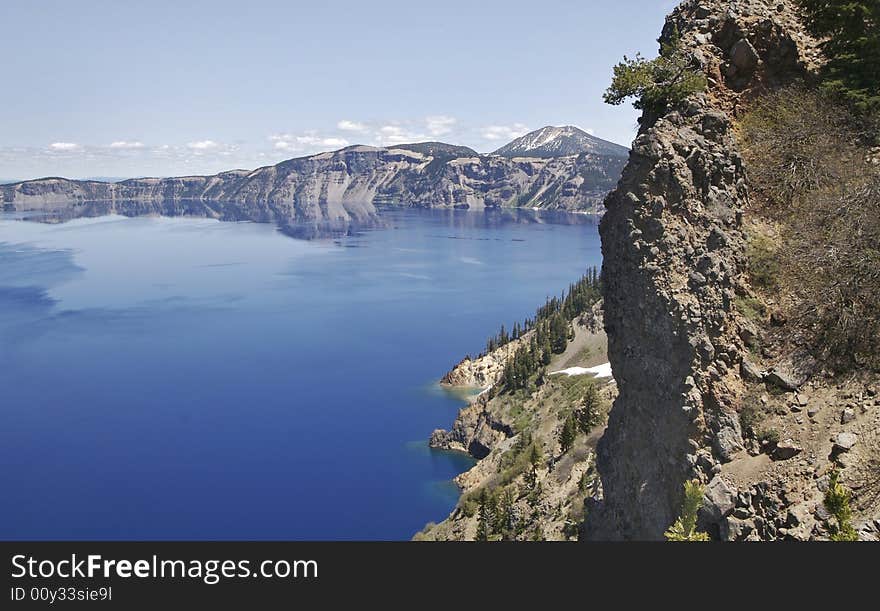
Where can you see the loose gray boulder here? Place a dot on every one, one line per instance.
(750, 372)
(785, 378)
(719, 500)
(786, 450)
(845, 442)
(744, 56)
(734, 529)
(728, 443)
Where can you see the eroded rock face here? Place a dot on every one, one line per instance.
(486, 370)
(673, 246)
(476, 431)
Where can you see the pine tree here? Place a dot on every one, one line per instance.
(850, 30)
(535, 461)
(558, 333)
(484, 521)
(587, 414)
(568, 434)
(685, 527)
(837, 503)
(656, 84)
(505, 519)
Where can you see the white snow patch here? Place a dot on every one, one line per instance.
(600, 371)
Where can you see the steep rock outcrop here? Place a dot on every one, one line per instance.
(673, 247)
(476, 431)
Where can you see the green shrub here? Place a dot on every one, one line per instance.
(751, 307)
(685, 527)
(837, 500)
(750, 416)
(769, 437)
(468, 504)
(656, 84)
(763, 261)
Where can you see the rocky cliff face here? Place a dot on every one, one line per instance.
(484, 371)
(340, 187)
(673, 246)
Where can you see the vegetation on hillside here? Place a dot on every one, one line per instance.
(579, 297)
(551, 441)
(656, 84)
(813, 181)
(550, 332)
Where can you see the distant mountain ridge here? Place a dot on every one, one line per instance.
(562, 141)
(341, 187)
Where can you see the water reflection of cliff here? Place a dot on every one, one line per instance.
(491, 218)
(289, 225)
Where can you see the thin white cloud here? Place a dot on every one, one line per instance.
(308, 142)
(503, 132)
(352, 126)
(203, 145)
(440, 125)
(335, 142)
(393, 132)
(127, 144)
(389, 135)
(65, 147)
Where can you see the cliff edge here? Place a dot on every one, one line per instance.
(674, 246)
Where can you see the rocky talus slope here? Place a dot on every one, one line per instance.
(674, 269)
(340, 187)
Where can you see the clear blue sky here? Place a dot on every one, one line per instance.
(110, 88)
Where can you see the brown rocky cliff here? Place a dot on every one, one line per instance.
(673, 247)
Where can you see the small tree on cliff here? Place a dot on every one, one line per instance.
(656, 84)
(685, 527)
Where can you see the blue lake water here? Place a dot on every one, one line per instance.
(192, 379)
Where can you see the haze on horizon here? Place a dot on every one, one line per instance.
(110, 89)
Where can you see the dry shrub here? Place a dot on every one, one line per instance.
(809, 174)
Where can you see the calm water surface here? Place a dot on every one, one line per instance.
(186, 378)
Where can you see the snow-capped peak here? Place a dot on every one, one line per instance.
(563, 141)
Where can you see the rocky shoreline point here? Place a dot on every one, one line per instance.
(494, 429)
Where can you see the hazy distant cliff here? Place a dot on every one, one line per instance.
(345, 185)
